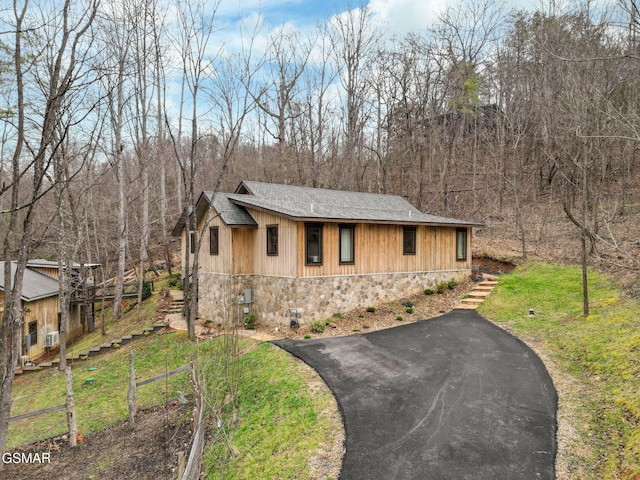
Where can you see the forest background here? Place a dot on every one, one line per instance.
(115, 115)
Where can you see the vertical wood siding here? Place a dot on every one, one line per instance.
(378, 249)
(283, 264)
(221, 263)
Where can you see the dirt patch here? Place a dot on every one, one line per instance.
(147, 451)
(491, 266)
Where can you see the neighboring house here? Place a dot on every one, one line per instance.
(40, 308)
(315, 251)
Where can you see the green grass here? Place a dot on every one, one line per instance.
(104, 401)
(602, 351)
(134, 321)
(280, 422)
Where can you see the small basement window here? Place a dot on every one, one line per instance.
(461, 244)
(408, 240)
(313, 243)
(272, 240)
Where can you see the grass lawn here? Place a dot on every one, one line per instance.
(280, 423)
(102, 402)
(599, 353)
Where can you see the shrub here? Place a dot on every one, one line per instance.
(172, 282)
(371, 309)
(250, 322)
(318, 327)
(409, 310)
(442, 287)
(452, 284)
(399, 319)
(147, 289)
(337, 315)
(408, 304)
(428, 291)
(307, 336)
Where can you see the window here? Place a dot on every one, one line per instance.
(214, 240)
(347, 243)
(192, 241)
(461, 244)
(408, 240)
(272, 240)
(313, 240)
(33, 335)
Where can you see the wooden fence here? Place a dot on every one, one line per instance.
(190, 471)
(35, 413)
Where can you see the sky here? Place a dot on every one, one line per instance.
(399, 16)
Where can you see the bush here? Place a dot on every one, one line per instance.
(147, 289)
(408, 304)
(452, 284)
(442, 287)
(307, 336)
(371, 309)
(399, 319)
(409, 310)
(318, 327)
(250, 322)
(337, 315)
(428, 291)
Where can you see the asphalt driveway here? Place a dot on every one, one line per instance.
(454, 397)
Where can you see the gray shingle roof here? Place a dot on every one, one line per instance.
(230, 213)
(317, 203)
(35, 285)
(305, 203)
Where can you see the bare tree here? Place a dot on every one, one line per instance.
(354, 39)
(53, 51)
(286, 62)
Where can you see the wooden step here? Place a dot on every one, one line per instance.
(466, 306)
(484, 288)
(481, 295)
(476, 301)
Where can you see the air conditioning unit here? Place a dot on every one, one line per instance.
(51, 339)
(24, 359)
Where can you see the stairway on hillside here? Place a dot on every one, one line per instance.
(479, 292)
(177, 302)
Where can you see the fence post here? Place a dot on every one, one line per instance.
(71, 411)
(132, 395)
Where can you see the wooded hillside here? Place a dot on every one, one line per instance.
(116, 115)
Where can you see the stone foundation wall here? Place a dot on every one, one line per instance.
(317, 297)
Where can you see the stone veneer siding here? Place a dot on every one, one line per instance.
(317, 297)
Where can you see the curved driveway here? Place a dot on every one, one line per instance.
(454, 397)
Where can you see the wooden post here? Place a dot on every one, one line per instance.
(71, 412)
(182, 464)
(132, 395)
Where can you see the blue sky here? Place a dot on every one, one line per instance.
(399, 16)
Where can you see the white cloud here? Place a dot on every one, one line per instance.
(403, 16)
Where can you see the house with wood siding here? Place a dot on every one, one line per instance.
(314, 252)
(40, 309)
